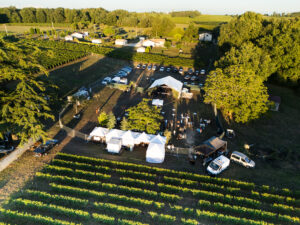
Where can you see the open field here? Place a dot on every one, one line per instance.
(21, 28)
(86, 190)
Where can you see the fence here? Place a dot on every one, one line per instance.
(74, 133)
(15, 155)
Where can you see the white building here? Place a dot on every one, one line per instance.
(97, 41)
(121, 42)
(170, 82)
(114, 145)
(205, 37)
(78, 35)
(141, 49)
(154, 43)
(68, 38)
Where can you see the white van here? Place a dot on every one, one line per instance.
(242, 159)
(218, 165)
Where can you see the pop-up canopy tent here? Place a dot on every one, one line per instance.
(155, 153)
(128, 139)
(158, 102)
(98, 133)
(169, 82)
(114, 145)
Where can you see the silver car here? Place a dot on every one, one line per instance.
(242, 159)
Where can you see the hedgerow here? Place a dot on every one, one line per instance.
(117, 208)
(162, 217)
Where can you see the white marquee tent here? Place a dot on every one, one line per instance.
(98, 133)
(114, 133)
(143, 138)
(155, 153)
(128, 138)
(170, 82)
(114, 145)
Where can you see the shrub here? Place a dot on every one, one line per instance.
(104, 218)
(162, 217)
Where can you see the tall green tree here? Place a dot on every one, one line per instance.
(28, 15)
(144, 117)
(23, 107)
(251, 57)
(41, 16)
(103, 119)
(111, 121)
(237, 92)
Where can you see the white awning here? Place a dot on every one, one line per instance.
(114, 133)
(128, 139)
(143, 138)
(114, 145)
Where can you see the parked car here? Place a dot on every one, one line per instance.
(161, 69)
(144, 66)
(242, 159)
(218, 165)
(106, 81)
(44, 148)
(168, 69)
(187, 77)
(202, 71)
(201, 85)
(181, 71)
(122, 73)
(154, 67)
(175, 70)
(139, 66)
(197, 72)
(149, 67)
(190, 71)
(193, 78)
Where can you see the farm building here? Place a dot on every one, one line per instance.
(141, 49)
(97, 41)
(154, 43)
(165, 84)
(276, 100)
(121, 42)
(98, 134)
(68, 38)
(205, 37)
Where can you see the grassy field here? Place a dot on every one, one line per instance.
(208, 22)
(84, 190)
(21, 28)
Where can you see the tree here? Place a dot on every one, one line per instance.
(168, 44)
(250, 57)
(28, 15)
(111, 121)
(23, 107)
(168, 135)
(103, 119)
(144, 117)
(41, 16)
(237, 92)
(109, 31)
(124, 124)
(191, 33)
(59, 15)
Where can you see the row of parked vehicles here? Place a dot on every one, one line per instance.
(120, 77)
(172, 69)
(221, 163)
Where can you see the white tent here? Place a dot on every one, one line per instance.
(98, 133)
(170, 82)
(114, 133)
(128, 139)
(114, 145)
(143, 138)
(155, 153)
(159, 140)
(158, 102)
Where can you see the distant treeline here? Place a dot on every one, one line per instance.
(90, 15)
(190, 14)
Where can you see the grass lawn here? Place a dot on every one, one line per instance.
(20, 28)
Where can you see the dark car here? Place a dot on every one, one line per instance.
(168, 69)
(44, 148)
(144, 66)
(190, 71)
(197, 72)
(193, 78)
(175, 70)
(187, 77)
(139, 66)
